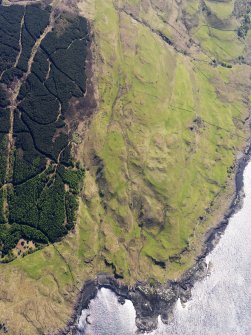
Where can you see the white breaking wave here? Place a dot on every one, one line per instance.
(220, 304)
(107, 316)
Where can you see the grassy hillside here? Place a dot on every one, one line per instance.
(170, 123)
(173, 86)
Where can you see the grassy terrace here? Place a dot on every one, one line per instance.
(159, 156)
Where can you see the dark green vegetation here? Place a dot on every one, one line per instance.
(245, 25)
(40, 72)
(172, 79)
(242, 11)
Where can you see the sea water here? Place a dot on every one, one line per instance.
(220, 303)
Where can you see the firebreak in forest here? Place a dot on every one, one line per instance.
(42, 67)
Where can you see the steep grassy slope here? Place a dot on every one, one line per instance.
(173, 85)
(163, 144)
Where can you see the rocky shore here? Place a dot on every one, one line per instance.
(152, 301)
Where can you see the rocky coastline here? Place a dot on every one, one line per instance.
(152, 301)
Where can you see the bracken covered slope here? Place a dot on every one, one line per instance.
(172, 83)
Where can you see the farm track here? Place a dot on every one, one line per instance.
(13, 95)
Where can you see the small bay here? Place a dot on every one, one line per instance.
(220, 303)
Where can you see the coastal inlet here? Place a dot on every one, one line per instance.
(220, 303)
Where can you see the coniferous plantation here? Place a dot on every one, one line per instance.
(124, 142)
(42, 68)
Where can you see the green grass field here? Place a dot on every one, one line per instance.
(222, 10)
(166, 133)
(167, 130)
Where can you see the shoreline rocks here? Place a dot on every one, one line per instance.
(150, 302)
